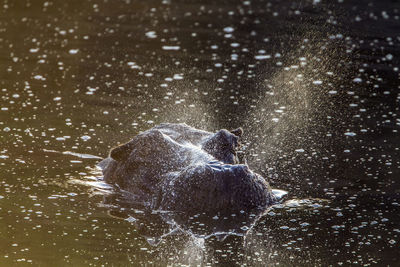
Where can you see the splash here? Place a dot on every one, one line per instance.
(295, 110)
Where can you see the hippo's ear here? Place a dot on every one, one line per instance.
(122, 152)
(238, 132)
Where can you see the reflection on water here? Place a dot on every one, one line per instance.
(313, 83)
(200, 232)
(128, 206)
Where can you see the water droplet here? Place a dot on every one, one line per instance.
(39, 77)
(85, 137)
(171, 47)
(389, 56)
(178, 77)
(73, 51)
(151, 34)
(261, 57)
(229, 29)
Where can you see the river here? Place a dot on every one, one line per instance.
(314, 84)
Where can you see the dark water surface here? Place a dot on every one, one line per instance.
(314, 84)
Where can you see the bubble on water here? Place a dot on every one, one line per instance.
(357, 80)
(350, 134)
(300, 150)
(317, 82)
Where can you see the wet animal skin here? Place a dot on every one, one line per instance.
(179, 168)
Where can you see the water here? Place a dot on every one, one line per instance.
(314, 84)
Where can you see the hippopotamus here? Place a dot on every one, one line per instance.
(176, 167)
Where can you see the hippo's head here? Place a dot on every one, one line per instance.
(177, 167)
(217, 187)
